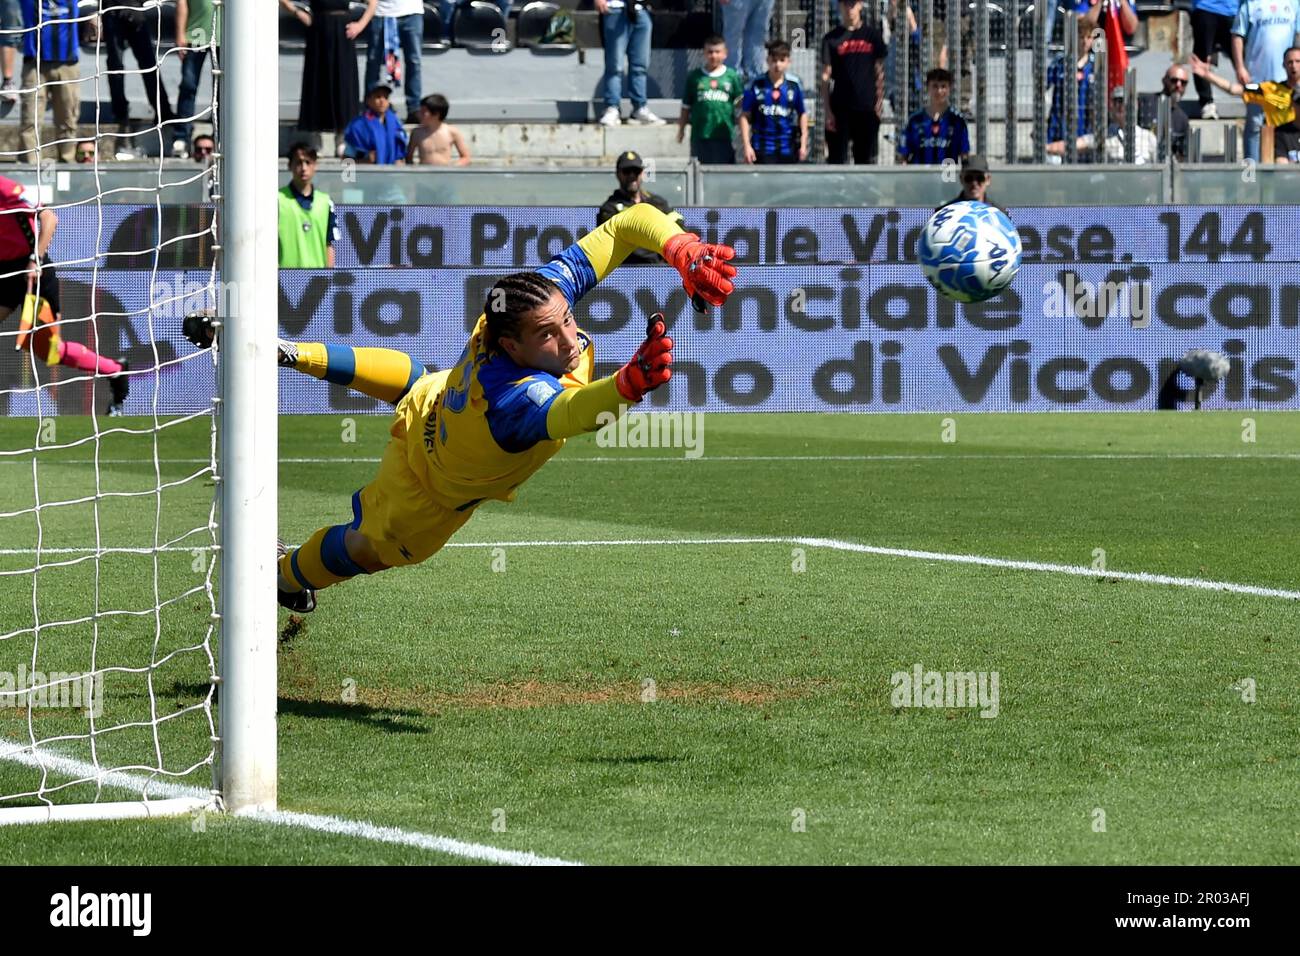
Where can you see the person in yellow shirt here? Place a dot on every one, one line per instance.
(1277, 100)
(477, 431)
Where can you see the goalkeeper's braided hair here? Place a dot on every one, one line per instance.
(511, 299)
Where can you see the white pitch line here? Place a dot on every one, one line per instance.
(833, 544)
(136, 783)
(1143, 577)
(423, 841)
(638, 459)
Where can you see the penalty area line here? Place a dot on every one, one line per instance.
(138, 784)
(832, 544)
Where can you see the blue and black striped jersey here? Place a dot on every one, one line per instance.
(774, 113)
(928, 141)
(56, 41)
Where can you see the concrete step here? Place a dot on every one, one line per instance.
(590, 144)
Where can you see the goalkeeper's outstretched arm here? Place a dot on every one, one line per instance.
(706, 273)
(638, 227)
(577, 410)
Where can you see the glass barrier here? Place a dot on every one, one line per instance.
(133, 184)
(485, 187)
(1230, 184)
(929, 186)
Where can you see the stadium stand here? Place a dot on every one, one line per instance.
(533, 103)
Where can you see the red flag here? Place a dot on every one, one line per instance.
(1116, 54)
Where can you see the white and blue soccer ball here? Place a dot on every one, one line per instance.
(969, 251)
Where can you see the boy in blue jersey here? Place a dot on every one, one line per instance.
(376, 135)
(522, 386)
(773, 121)
(1057, 124)
(937, 132)
(51, 30)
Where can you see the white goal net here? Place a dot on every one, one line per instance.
(110, 472)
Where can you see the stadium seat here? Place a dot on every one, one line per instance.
(435, 31)
(479, 25)
(533, 22)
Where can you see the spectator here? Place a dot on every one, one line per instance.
(127, 23)
(626, 26)
(11, 22)
(1174, 85)
(1090, 13)
(409, 17)
(937, 132)
(975, 180)
(630, 169)
(377, 136)
(329, 65)
(1146, 148)
(709, 104)
(1276, 101)
(853, 85)
(85, 151)
(202, 148)
(913, 59)
(1286, 138)
(198, 30)
(744, 27)
(773, 108)
(1056, 128)
(432, 141)
(58, 76)
(966, 27)
(1211, 32)
(308, 225)
(1261, 34)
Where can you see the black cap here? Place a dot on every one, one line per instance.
(629, 160)
(380, 88)
(974, 163)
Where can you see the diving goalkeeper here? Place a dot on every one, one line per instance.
(480, 429)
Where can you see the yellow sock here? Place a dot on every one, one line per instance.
(385, 374)
(320, 562)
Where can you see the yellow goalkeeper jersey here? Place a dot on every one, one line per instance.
(480, 429)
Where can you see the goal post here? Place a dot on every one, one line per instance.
(138, 674)
(248, 420)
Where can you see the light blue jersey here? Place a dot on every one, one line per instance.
(1269, 27)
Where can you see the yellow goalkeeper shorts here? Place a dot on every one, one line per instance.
(403, 523)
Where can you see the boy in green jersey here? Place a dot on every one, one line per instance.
(709, 104)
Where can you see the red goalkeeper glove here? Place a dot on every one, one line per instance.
(651, 366)
(705, 272)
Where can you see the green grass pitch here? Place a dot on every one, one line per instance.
(503, 697)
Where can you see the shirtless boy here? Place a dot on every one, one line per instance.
(432, 140)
